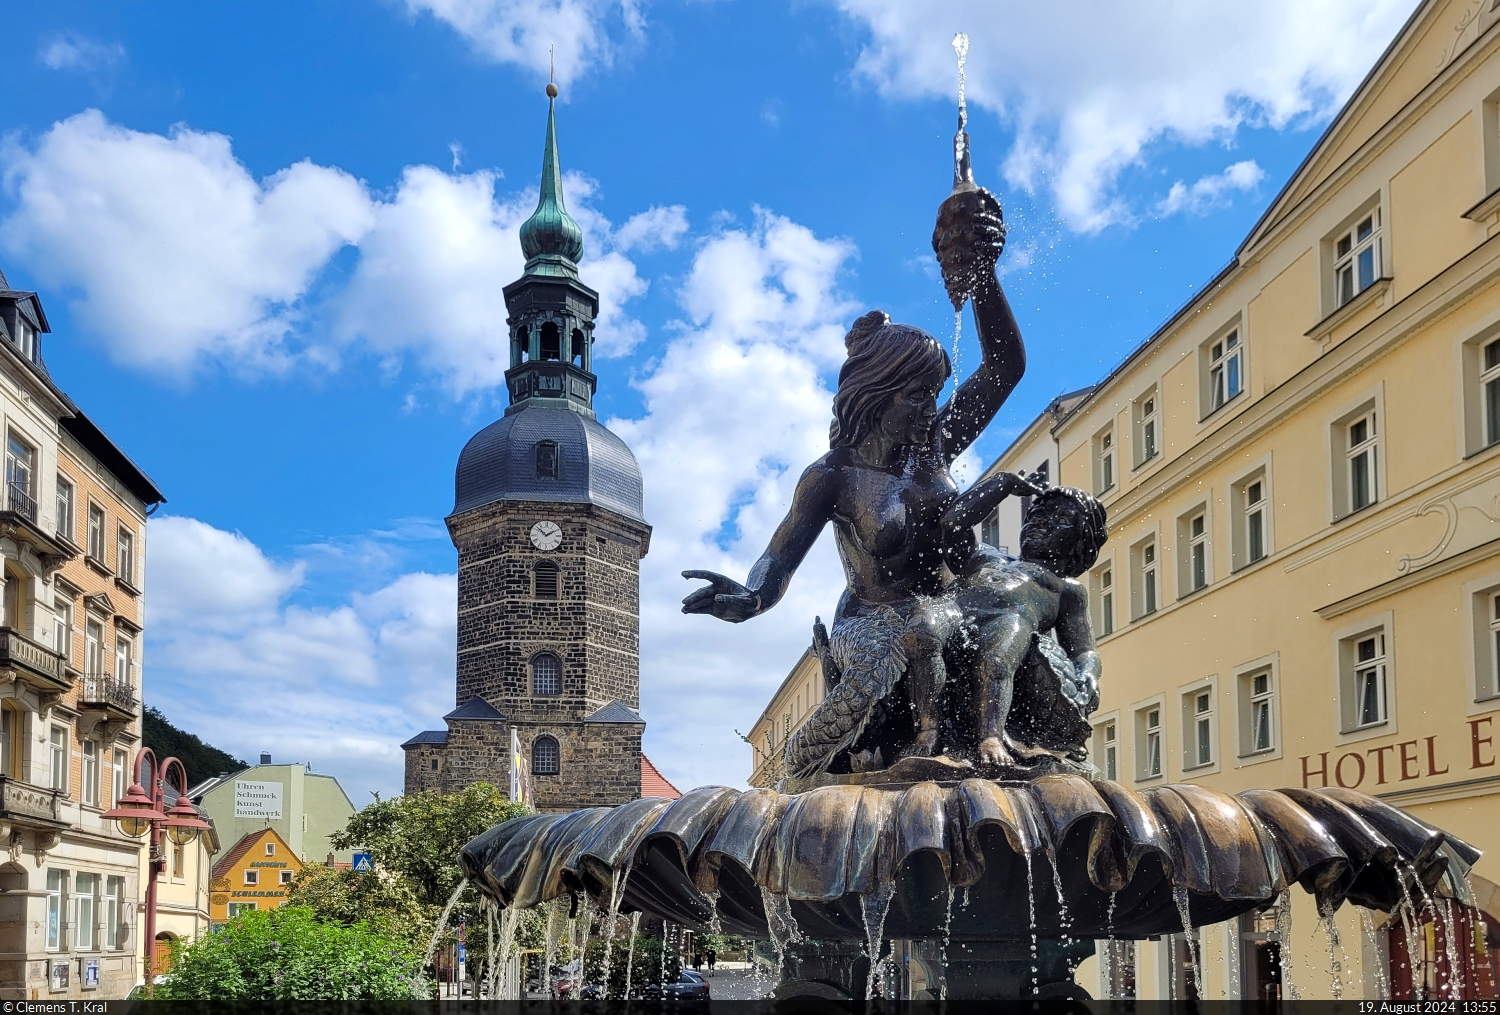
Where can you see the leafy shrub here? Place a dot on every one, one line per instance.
(288, 954)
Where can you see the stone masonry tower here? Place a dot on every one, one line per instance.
(550, 534)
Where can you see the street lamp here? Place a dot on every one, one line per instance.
(140, 812)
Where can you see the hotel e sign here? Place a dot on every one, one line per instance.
(257, 800)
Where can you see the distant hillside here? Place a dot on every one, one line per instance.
(203, 761)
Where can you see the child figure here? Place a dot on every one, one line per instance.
(1009, 607)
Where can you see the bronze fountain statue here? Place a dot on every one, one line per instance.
(950, 751)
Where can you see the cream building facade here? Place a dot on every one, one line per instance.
(72, 535)
(183, 888)
(1302, 475)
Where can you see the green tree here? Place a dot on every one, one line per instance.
(384, 900)
(288, 954)
(419, 836)
(650, 959)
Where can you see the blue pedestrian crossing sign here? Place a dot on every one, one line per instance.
(364, 863)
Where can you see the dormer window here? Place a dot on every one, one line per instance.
(546, 460)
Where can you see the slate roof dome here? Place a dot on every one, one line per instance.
(507, 461)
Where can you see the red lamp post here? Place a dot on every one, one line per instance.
(140, 812)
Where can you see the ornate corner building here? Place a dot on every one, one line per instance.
(550, 533)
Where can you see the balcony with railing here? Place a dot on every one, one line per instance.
(19, 518)
(21, 803)
(33, 662)
(106, 691)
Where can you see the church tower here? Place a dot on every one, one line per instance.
(549, 531)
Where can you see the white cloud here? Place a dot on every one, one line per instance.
(1210, 192)
(179, 257)
(525, 32)
(71, 51)
(736, 408)
(178, 253)
(342, 686)
(1089, 89)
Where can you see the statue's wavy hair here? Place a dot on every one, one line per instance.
(883, 358)
(1093, 527)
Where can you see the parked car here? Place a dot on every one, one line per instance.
(690, 986)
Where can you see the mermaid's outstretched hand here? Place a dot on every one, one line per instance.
(723, 597)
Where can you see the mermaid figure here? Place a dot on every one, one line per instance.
(885, 486)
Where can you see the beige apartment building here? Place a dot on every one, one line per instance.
(1302, 474)
(72, 535)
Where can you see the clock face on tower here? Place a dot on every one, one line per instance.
(546, 535)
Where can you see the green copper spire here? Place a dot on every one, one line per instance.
(550, 239)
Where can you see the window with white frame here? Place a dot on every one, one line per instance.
(1222, 361)
(1147, 424)
(1107, 748)
(1361, 450)
(1250, 505)
(1487, 663)
(114, 912)
(252, 876)
(1365, 678)
(989, 530)
(271, 847)
(62, 628)
(96, 533)
(65, 503)
(117, 784)
(57, 758)
(125, 555)
(1149, 742)
(26, 338)
(86, 908)
(286, 877)
(57, 890)
(1103, 595)
(20, 474)
(1356, 257)
(1193, 555)
(93, 648)
(1104, 460)
(236, 908)
(1145, 578)
(1198, 728)
(1489, 386)
(91, 750)
(124, 659)
(1257, 693)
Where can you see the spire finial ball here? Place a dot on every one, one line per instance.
(551, 90)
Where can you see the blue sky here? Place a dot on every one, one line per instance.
(271, 240)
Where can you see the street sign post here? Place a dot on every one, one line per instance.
(364, 863)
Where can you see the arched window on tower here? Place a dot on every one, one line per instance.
(544, 580)
(546, 675)
(551, 342)
(578, 342)
(544, 756)
(522, 346)
(546, 459)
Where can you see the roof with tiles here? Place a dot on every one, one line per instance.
(653, 783)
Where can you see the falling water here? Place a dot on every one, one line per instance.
(1289, 991)
(1481, 943)
(943, 953)
(1450, 949)
(1407, 909)
(958, 331)
(1109, 916)
(1065, 921)
(549, 951)
(1448, 945)
(442, 924)
(635, 928)
(489, 949)
(781, 923)
(966, 899)
(1031, 914)
(1335, 946)
(714, 926)
(586, 914)
(609, 925)
(665, 933)
(510, 987)
(1180, 896)
(874, 907)
(1367, 923)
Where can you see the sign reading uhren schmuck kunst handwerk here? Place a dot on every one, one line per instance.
(257, 800)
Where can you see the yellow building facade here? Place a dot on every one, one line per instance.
(788, 709)
(255, 874)
(1302, 473)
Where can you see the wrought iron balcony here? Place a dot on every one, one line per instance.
(105, 691)
(33, 662)
(17, 499)
(25, 804)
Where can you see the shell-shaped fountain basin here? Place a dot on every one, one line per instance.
(1101, 860)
